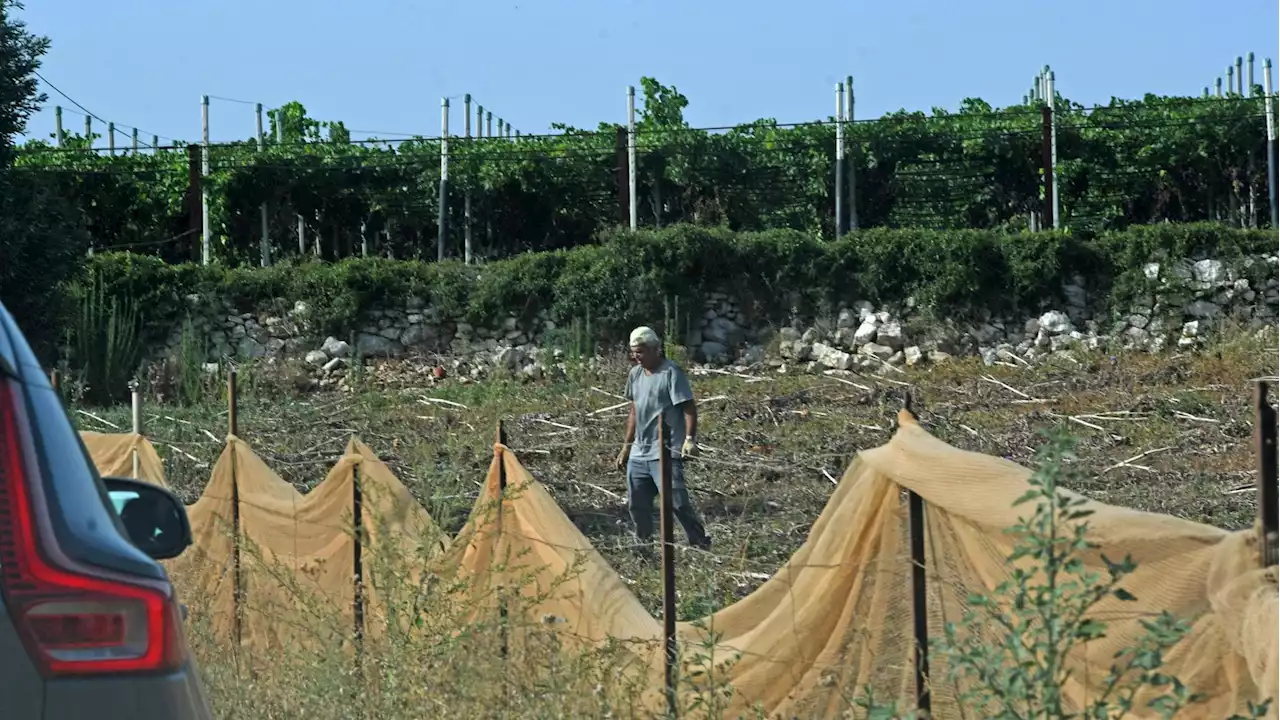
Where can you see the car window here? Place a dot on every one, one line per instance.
(120, 497)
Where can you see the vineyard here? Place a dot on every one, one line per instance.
(313, 190)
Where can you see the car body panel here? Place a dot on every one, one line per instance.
(21, 687)
(176, 697)
(86, 525)
(88, 532)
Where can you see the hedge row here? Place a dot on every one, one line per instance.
(623, 278)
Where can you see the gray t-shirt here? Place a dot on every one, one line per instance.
(659, 392)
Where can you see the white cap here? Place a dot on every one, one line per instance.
(644, 335)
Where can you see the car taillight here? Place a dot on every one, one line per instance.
(73, 622)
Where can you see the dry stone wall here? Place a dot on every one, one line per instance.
(1180, 305)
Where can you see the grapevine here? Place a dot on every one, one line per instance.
(1129, 162)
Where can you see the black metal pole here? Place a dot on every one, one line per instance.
(233, 426)
(919, 606)
(668, 568)
(500, 437)
(919, 599)
(357, 555)
(1264, 438)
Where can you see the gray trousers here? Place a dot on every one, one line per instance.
(642, 490)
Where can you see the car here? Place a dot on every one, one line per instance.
(90, 624)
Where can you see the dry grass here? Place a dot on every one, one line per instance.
(1167, 433)
(449, 662)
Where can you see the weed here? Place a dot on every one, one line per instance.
(773, 446)
(103, 345)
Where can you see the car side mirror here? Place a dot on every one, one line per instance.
(155, 519)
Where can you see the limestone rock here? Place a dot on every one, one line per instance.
(890, 335)
(250, 348)
(714, 351)
(831, 357)
(866, 332)
(848, 319)
(1055, 322)
(333, 347)
(1203, 309)
(371, 345)
(884, 352)
(1209, 272)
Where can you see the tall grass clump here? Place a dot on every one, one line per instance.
(192, 382)
(103, 343)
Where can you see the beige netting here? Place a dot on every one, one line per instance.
(297, 552)
(115, 455)
(835, 619)
(528, 545)
(400, 542)
(205, 574)
(838, 617)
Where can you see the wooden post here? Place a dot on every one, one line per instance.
(357, 599)
(357, 556)
(1264, 439)
(668, 567)
(55, 382)
(233, 427)
(919, 598)
(500, 438)
(233, 420)
(919, 606)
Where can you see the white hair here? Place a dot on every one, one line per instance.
(644, 335)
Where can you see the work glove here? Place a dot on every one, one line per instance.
(623, 454)
(690, 448)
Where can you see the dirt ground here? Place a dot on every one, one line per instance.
(1166, 433)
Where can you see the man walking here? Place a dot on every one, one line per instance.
(659, 392)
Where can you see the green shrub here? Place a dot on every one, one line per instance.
(42, 245)
(519, 286)
(625, 279)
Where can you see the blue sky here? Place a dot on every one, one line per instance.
(384, 64)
